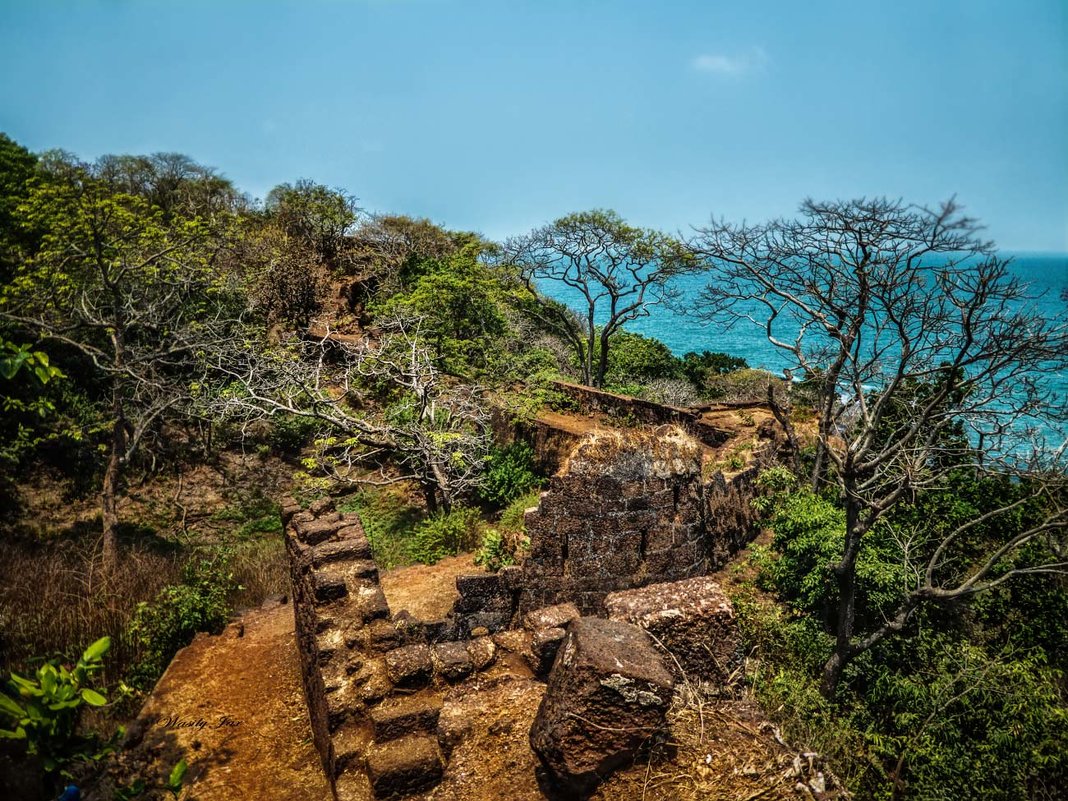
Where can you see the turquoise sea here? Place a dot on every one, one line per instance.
(1046, 273)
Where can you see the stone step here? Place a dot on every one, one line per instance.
(402, 767)
(402, 716)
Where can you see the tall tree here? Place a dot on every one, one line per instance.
(916, 334)
(316, 215)
(616, 271)
(138, 296)
(17, 166)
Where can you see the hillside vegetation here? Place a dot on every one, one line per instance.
(175, 356)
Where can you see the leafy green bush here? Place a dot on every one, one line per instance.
(44, 711)
(809, 538)
(290, 433)
(634, 359)
(256, 514)
(698, 367)
(494, 553)
(201, 602)
(509, 474)
(965, 705)
(512, 516)
(445, 534)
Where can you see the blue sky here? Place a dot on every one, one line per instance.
(498, 116)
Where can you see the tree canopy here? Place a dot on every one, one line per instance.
(615, 270)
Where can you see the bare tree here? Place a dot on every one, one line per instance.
(617, 271)
(926, 356)
(419, 426)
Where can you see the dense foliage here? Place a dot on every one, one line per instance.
(968, 705)
(199, 602)
(152, 317)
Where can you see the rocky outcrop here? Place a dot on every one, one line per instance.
(693, 621)
(607, 696)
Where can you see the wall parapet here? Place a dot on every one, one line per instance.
(644, 411)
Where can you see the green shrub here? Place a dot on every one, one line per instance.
(201, 602)
(634, 359)
(390, 520)
(256, 515)
(44, 711)
(809, 538)
(445, 534)
(290, 433)
(494, 553)
(698, 367)
(512, 517)
(509, 474)
(957, 707)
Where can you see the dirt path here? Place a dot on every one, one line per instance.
(233, 708)
(426, 591)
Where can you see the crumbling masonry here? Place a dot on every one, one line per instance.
(627, 510)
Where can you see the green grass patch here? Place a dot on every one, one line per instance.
(390, 521)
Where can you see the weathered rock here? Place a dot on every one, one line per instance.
(410, 666)
(451, 660)
(370, 603)
(482, 652)
(400, 717)
(405, 766)
(693, 620)
(608, 693)
(382, 635)
(328, 586)
(290, 508)
(544, 644)
(319, 530)
(340, 551)
(372, 681)
(551, 617)
(513, 641)
(479, 585)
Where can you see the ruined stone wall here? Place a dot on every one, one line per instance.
(373, 680)
(643, 411)
(550, 443)
(626, 510)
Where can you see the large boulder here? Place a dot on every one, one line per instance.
(607, 695)
(693, 620)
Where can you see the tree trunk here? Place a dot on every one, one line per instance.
(602, 360)
(110, 490)
(782, 415)
(430, 495)
(846, 574)
(587, 368)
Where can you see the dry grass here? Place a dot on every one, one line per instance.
(55, 599)
(261, 569)
(720, 747)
